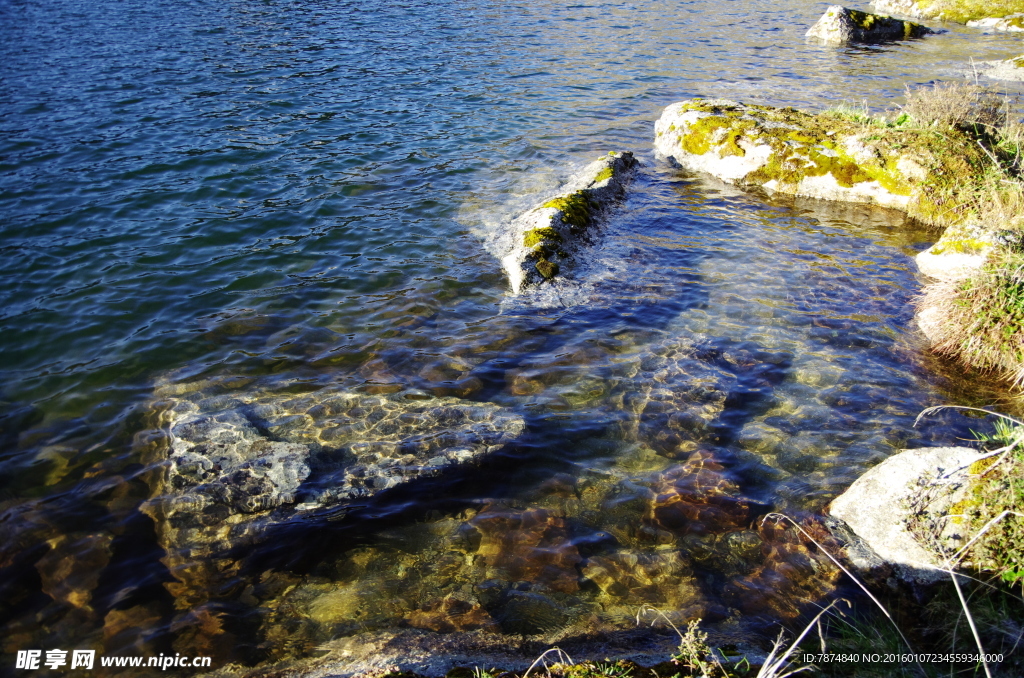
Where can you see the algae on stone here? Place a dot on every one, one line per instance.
(959, 11)
(544, 242)
(928, 173)
(841, 26)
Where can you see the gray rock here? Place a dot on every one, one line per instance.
(1004, 69)
(879, 505)
(842, 26)
(815, 155)
(544, 241)
(240, 463)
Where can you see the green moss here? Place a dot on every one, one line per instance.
(575, 208)
(966, 245)
(606, 173)
(536, 236)
(548, 269)
(863, 19)
(963, 11)
(805, 145)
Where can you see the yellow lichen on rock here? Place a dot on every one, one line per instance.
(927, 173)
(959, 11)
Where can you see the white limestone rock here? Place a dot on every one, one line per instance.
(904, 7)
(544, 241)
(842, 26)
(786, 151)
(1005, 69)
(1011, 23)
(879, 504)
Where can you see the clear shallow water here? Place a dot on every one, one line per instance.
(307, 193)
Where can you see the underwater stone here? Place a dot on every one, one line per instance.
(842, 26)
(660, 578)
(71, 569)
(223, 481)
(697, 497)
(453, 613)
(531, 613)
(544, 241)
(533, 545)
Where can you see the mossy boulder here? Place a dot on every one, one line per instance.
(842, 26)
(931, 174)
(959, 11)
(543, 243)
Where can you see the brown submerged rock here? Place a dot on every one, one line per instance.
(71, 569)
(697, 497)
(450, 614)
(532, 545)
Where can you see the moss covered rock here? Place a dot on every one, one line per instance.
(928, 173)
(544, 241)
(842, 26)
(960, 11)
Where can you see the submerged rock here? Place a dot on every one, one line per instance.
(697, 497)
(545, 240)
(879, 506)
(532, 545)
(842, 26)
(241, 462)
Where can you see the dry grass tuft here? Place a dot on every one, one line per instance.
(983, 317)
(956, 104)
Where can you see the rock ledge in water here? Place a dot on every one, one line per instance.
(971, 12)
(1004, 69)
(879, 506)
(545, 239)
(244, 461)
(818, 156)
(842, 26)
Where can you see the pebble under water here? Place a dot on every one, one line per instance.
(283, 217)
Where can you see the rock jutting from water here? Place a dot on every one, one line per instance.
(1011, 23)
(842, 26)
(545, 240)
(240, 462)
(881, 505)
(818, 156)
(933, 177)
(960, 11)
(1002, 69)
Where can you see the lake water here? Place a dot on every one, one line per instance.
(302, 194)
